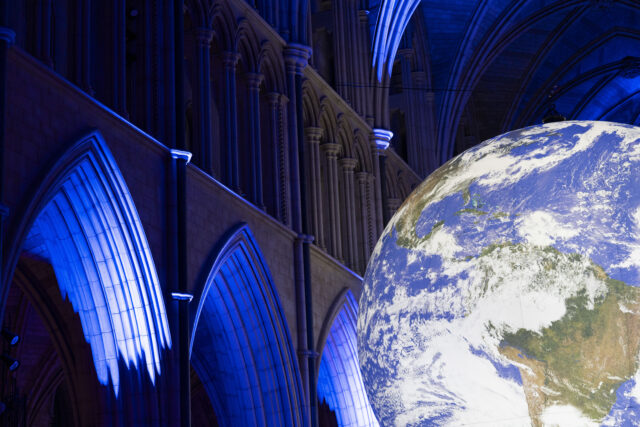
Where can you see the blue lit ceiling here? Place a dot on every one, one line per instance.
(496, 65)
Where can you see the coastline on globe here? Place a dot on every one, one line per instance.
(505, 291)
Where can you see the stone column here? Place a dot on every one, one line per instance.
(232, 175)
(120, 59)
(277, 114)
(379, 143)
(43, 32)
(363, 179)
(348, 166)
(296, 59)
(254, 80)
(274, 118)
(82, 43)
(7, 39)
(413, 113)
(313, 135)
(365, 53)
(331, 151)
(203, 98)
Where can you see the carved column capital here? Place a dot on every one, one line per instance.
(381, 138)
(254, 80)
(313, 134)
(230, 59)
(405, 53)
(296, 57)
(204, 36)
(363, 177)
(8, 35)
(348, 163)
(330, 149)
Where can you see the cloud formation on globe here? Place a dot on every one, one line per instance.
(505, 290)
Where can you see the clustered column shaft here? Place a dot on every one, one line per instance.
(363, 179)
(203, 98)
(314, 135)
(232, 174)
(254, 80)
(331, 153)
(348, 166)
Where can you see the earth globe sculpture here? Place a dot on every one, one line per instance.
(506, 289)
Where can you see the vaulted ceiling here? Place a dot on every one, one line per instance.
(496, 65)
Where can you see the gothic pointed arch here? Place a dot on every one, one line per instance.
(82, 220)
(340, 382)
(310, 105)
(272, 67)
(240, 343)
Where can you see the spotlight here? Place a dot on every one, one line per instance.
(11, 363)
(11, 337)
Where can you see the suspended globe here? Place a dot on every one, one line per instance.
(505, 291)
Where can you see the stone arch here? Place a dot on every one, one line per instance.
(362, 152)
(224, 25)
(82, 220)
(536, 102)
(345, 136)
(246, 43)
(363, 199)
(201, 11)
(310, 105)
(272, 144)
(327, 120)
(271, 66)
(340, 382)
(240, 343)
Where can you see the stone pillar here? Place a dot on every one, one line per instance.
(348, 166)
(274, 118)
(254, 80)
(296, 59)
(313, 135)
(232, 174)
(331, 151)
(367, 91)
(379, 143)
(203, 98)
(120, 59)
(364, 179)
(413, 113)
(82, 43)
(178, 247)
(7, 38)
(277, 114)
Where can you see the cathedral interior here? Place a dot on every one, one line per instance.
(190, 190)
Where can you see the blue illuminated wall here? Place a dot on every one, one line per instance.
(241, 347)
(339, 379)
(89, 229)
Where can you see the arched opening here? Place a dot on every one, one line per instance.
(82, 260)
(341, 392)
(50, 350)
(241, 347)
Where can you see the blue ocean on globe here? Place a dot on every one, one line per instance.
(505, 291)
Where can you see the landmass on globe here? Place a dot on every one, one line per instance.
(505, 289)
